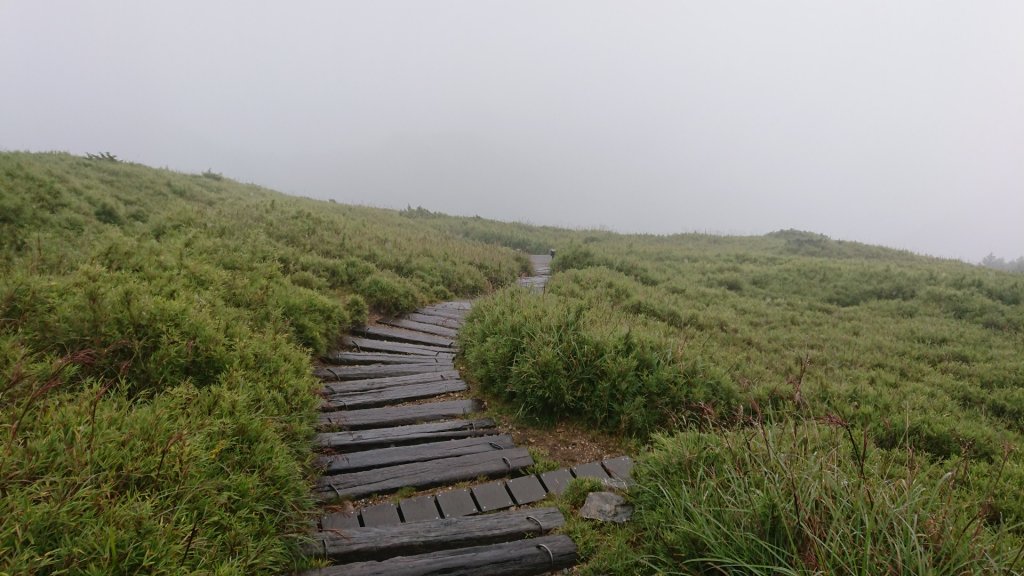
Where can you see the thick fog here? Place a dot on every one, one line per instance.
(895, 123)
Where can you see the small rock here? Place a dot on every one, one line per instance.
(606, 507)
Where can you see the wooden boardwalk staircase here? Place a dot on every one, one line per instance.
(395, 418)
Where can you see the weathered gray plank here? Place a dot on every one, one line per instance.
(397, 416)
(458, 315)
(425, 536)
(358, 386)
(590, 470)
(491, 496)
(421, 327)
(371, 344)
(419, 509)
(556, 481)
(455, 305)
(403, 435)
(379, 515)
(337, 373)
(343, 463)
(347, 358)
(392, 395)
(339, 521)
(526, 489)
(620, 468)
(408, 336)
(455, 503)
(421, 474)
(517, 558)
(445, 321)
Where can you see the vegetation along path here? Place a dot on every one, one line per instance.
(396, 419)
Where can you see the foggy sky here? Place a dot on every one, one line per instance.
(894, 123)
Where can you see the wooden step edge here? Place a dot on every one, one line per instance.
(363, 543)
(517, 558)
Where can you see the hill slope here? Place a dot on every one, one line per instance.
(828, 406)
(155, 333)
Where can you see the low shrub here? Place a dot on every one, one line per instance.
(553, 357)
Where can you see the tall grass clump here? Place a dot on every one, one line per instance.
(807, 498)
(558, 358)
(156, 329)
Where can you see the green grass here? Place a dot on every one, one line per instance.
(697, 335)
(802, 498)
(156, 400)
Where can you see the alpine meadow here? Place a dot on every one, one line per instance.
(795, 404)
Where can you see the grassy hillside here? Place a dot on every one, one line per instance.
(806, 394)
(803, 405)
(155, 336)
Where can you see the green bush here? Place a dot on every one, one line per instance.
(389, 293)
(553, 357)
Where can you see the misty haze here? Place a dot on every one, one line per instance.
(893, 124)
(511, 288)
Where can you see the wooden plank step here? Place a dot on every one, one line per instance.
(342, 463)
(392, 395)
(445, 321)
(517, 558)
(343, 357)
(421, 327)
(426, 536)
(421, 474)
(413, 434)
(458, 315)
(356, 386)
(402, 335)
(374, 345)
(364, 371)
(455, 305)
(397, 416)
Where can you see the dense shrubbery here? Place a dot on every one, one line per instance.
(558, 358)
(156, 400)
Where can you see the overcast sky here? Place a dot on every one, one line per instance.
(896, 123)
